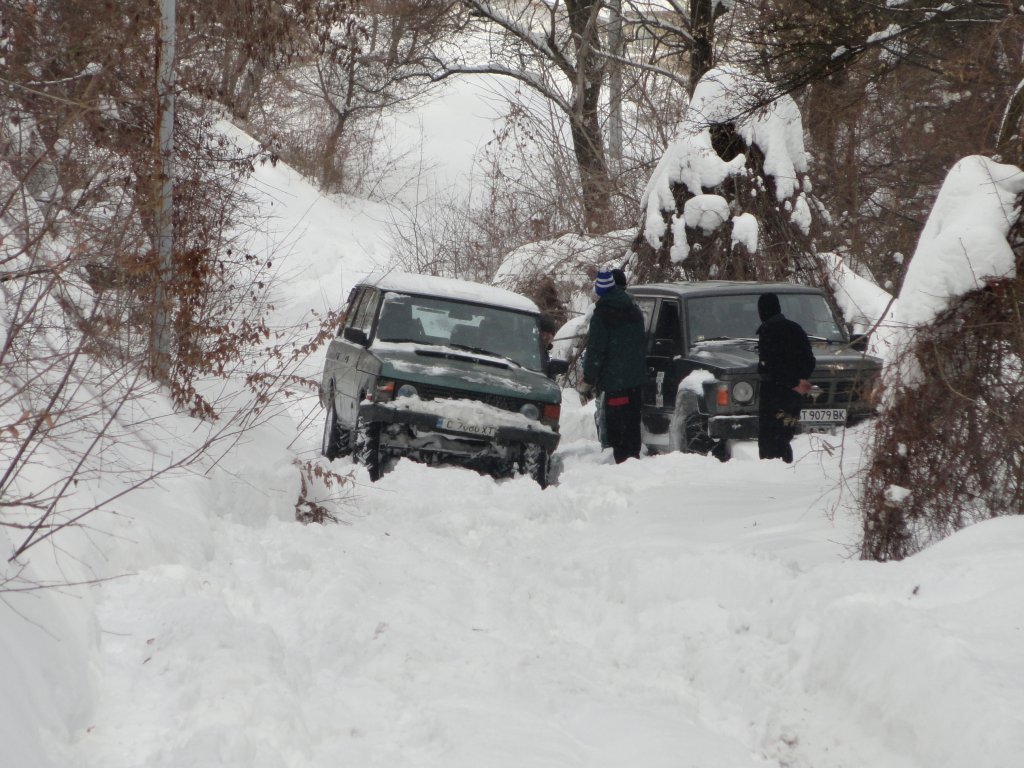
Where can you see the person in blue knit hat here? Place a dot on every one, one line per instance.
(615, 364)
(604, 282)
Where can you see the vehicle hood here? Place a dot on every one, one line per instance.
(740, 356)
(837, 358)
(458, 369)
(733, 356)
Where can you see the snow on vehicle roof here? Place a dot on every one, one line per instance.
(727, 287)
(450, 288)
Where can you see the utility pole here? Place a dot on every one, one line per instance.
(615, 84)
(160, 345)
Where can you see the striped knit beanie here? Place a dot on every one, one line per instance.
(604, 282)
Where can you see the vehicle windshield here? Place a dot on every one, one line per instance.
(429, 320)
(735, 317)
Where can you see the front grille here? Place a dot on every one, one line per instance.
(840, 392)
(433, 392)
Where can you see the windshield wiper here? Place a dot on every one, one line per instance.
(727, 338)
(826, 341)
(478, 350)
(488, 352)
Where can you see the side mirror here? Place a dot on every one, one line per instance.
(356, 336)
(859, 341)
(663, 348)
(557, 367)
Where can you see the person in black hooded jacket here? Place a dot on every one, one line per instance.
(785, 364)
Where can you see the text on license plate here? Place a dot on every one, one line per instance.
(458, 425)
(823, 415)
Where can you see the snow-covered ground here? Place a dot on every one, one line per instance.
(671, 611)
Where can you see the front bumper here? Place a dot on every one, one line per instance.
(428, 422)
(733, 427)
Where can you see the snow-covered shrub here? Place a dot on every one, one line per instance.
(730, 198)
(950, 427)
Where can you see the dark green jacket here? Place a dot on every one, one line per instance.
(615, 358)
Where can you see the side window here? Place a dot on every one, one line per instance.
(647, 308)
(368, 310)
(352, 309)
(668, 340)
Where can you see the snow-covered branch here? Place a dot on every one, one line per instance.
(520, 75)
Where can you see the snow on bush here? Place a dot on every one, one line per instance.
(725, 96)
(963, 245)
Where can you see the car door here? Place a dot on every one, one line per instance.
(344, 355)
(340, 353)
(359, 365)
(664, 355)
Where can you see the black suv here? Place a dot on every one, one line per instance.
(702, 387)
(440, 371)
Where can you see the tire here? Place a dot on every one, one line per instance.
(504, 468)
(336, 440)
(689, 429)
(367, 449)
(535, 462)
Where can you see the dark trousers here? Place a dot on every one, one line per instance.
(622, 423)
(779, 415)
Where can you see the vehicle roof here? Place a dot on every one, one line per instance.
(450, 288)
(713, 287)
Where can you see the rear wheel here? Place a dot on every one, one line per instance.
(368, 449)
(535, 462)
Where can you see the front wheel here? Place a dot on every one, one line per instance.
(368, 449)
(535, 462)
(689, 429)
(336, 439)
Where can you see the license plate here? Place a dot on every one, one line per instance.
(458, 425)
(823, 416)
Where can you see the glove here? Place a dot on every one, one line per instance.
(586, 390)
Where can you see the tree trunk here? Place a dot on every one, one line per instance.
(702, 27)
(615, 84)
(330, 173)
(585, 124)
(594, 179)
(1008, 141)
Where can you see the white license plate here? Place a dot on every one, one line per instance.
(823, 416)
(458, 425)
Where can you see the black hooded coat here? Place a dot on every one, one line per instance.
(784, 351)
(784, 358)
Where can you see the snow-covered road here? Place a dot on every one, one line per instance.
(672, 611)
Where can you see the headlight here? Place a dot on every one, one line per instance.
(742, 392)
(407, 390)
(530, 411)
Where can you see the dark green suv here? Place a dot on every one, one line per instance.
(703, 388)
(440, 371)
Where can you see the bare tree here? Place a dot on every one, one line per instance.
(557, 51)
(355, 63)
(77, 265)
